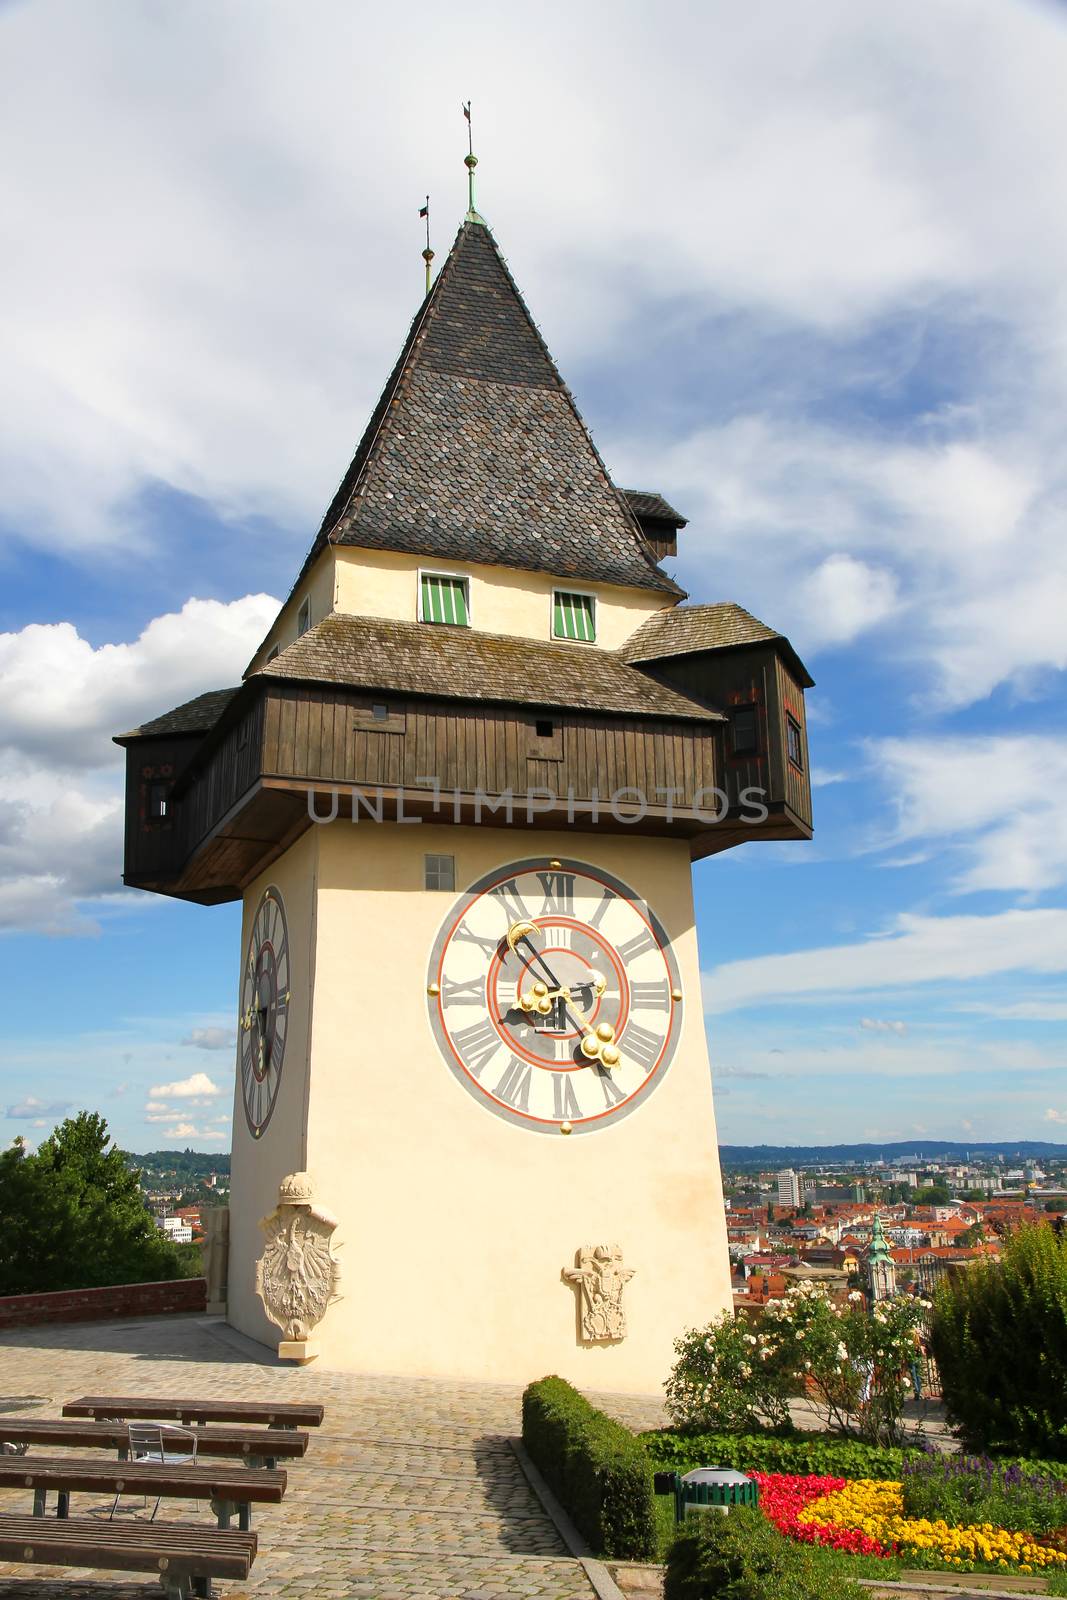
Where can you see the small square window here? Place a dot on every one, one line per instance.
(303, 616)
(794, 742)
(573, 616)
(444, 599)
(379, 712)
(544, 727)
(158, 801)
(744, 731)
(440, 872)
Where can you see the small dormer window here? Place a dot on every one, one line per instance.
(303, 616)
(744, 731)
(444, 598)
(794, 742)
(574, 616)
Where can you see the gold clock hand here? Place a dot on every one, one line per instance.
(598, 1044)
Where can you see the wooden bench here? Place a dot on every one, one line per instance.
(257, 1447)
(150, 1408)
(185, 1555)
(230, 1490)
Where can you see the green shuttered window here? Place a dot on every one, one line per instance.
(444, 599)
(573, 616)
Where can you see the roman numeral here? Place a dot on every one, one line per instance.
(470, 992)
(477, 1044)
(643, 1046)
(639, 945)
(605, 900)
(514, 1086)
(565, 1105)
(465, 935)
(651, 996)
(612, 1094)
(510, 898)
(558, 890)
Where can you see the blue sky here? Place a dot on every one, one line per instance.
(803, 268)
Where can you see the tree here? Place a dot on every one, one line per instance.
(999, 1337)
(936, 1195)
(74, 1217)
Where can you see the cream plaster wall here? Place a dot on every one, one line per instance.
(454, 1225)
(259, 1165)
(320, 584)
(383, 583)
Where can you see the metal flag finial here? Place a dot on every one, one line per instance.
(470, 161)
(427, 254)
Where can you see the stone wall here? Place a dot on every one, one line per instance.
(98, 1305)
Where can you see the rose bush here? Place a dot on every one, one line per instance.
(853, 1364)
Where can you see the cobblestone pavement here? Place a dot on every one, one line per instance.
(409, 1489)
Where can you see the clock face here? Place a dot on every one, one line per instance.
(554, 996)
(264, 1011)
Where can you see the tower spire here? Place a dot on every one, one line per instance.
(470, 161)
(427, 254)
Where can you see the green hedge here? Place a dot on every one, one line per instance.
(600, 1472)
(999, 1337)
(767, 1452)
(740, 1556)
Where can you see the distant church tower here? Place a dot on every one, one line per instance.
(881, 1268)
(470, 1022)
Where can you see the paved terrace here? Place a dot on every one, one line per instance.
(409, 1488)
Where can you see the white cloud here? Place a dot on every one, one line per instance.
(882, 1025)
(30, 1106)
(914, 950)
(182, 1130)
(1056, 1116)
(61, 776)
(844, 597)
(198, 1084)
(821, 173)
(211, 1038)
(997, 800)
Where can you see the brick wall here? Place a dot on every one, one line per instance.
(97, 1305)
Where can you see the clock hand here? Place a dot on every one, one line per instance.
(598, 1044)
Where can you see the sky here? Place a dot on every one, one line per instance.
(805, 268)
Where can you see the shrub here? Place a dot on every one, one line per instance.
(999, 1337)
(739, 1556)
(600, 1472)
(853, 1365)
(723, 1378)
(762, 1452)
(963, 1490)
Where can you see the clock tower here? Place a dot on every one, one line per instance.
(460, 791)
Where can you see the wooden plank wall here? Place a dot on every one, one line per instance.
(327, 734)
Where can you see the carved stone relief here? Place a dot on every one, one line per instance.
(599, 1278)
(297, 1276)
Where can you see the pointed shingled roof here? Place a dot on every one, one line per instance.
(476, 450)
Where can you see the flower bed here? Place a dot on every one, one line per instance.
(865, 1516)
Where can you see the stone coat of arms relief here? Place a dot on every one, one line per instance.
(297, 1276)
(599, 1277)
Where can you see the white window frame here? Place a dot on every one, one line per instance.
(303, 609)
(588, 594)
(456, 577)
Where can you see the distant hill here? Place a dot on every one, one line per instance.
(761, 1156)
(182, 1165)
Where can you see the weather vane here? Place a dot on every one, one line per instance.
(470, 161)
(427, 254)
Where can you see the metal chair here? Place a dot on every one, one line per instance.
(148, 1441)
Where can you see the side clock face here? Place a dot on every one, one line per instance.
(264, 1017)
(554, 996)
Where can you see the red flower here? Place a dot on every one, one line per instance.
(782, 1496)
